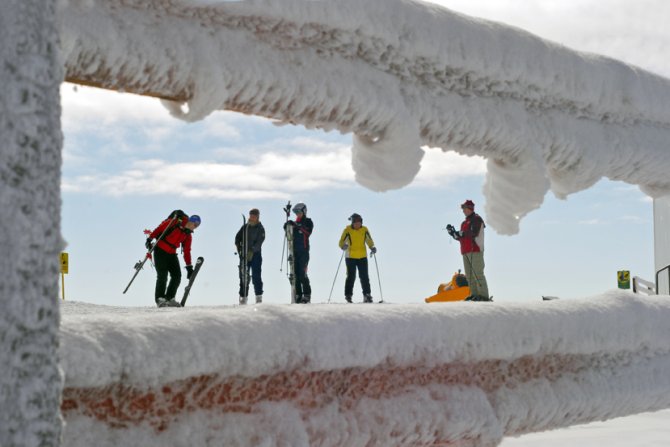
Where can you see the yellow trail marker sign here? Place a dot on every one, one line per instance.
(63, 262)
(623, 279)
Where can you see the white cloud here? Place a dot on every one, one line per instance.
(85, 107)
(590, 222)
(439, 168)
(269, 175)
(110, 113)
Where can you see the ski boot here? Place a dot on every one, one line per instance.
(243, 300)
(259, 299)
(306, 299)
(367, 298)
(348, 298)
(162, 302)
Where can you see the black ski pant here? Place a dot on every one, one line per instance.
(362, 266)
(301, 261)
(255, 266)
(166, 263)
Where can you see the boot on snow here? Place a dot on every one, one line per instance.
(162, 302)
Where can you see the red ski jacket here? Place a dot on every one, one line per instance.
(176, 235)
(471, 228)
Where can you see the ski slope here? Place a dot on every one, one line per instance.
(400, 75)
(465, 374)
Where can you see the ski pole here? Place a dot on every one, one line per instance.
(381, 294)
(283, 247)
(335, 279)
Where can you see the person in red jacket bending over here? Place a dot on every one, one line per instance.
(174, 231)
(471, 237)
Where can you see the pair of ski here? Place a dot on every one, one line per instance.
(288, 242)
(244, 264)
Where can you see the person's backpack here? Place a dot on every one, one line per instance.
(179, 214)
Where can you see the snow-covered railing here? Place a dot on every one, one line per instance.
(460, 374)
(399, 75)
(643, 286)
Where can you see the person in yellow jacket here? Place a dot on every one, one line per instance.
(353, 241)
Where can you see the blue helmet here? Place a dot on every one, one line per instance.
(195, 219)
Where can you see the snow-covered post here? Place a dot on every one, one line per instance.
(30, 160)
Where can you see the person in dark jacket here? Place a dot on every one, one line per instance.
(174, 231)
(249, 241)
(471, 237)
(302, 230)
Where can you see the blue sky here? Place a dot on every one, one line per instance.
(127, 164)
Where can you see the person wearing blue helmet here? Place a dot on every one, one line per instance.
(174, 231)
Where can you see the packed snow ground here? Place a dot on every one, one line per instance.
(470, 373)
(400, 75)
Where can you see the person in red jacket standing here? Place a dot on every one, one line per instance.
(471, 237)
(174, 231)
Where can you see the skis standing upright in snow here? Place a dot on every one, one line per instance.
(288, 237)
(244, 266)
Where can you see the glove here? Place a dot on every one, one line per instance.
(189, 271)
(373, 250)
(148, 243)
(452, 232)
(290, 222)
(345, 246)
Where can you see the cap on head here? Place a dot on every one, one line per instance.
(195, 219)
(468, 204)
(300, 208)
(356, 218)
(254, 212)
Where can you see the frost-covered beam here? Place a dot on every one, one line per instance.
(30, 239)
(399, 75)
(459, 374)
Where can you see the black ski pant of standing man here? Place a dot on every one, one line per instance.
(362, 266)
(255, 266)
(166, 263)
(303, 291)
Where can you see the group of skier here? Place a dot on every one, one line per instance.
(177, 229)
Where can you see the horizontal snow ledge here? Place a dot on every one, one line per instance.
(145, 346)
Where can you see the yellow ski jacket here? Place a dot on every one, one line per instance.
(356, 239)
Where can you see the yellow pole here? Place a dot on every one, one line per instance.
(62, 281)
